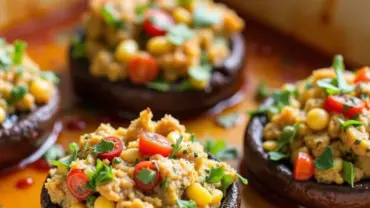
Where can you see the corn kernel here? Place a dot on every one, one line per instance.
(199, 194)
(317, 119)
(27, 103)
(173, 136)
(102, 202)
(2, 115)
(182, 15)
(131, 155)
(126, 50)
(216, 197)
(159, 45)
(338, 164)
(270, 145)
(42, 90)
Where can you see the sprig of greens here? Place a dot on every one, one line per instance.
(65, 162)
(146, 176)
(49, 76)
(78, 47)
(185, 204)
(176, 147)
(220, 149)
(102, 175)
(263, 91)
(19, 49)
(286, 136)
(348, 123)
(326, 160)
(276, 156)
(108, 13)
(17, 93)
(103, 146)
(159, 85)
(215, 175)
(348, 173)
(54, 153)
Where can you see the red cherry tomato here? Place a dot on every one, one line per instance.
(303, 167)
(157, 22)
(348, 105)
(76, 183)
(142, 69)
(152, 144)
(149, 166)
(363, 75)
(116, 151)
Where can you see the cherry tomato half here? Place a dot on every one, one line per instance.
(303, 167)
(348, 105)
(149, 166)
(76, 183)
(116, 151)
(157, 22)
(363, 75)
(152, 144)
(142, 69)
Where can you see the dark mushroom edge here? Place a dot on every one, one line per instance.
(125, 100)
(25, 137)
(231, 200)
(277, 178)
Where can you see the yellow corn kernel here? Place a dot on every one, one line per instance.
(27, 103)
(42, 90)
(78, 205)
(270, 145)
(126, 50)
(199, 194)
(216, 197)
(317, 119)
(102, 202)
(131, 155)
(114, 72)
(173, 136)
(2, 115)
(182, 15)
(159, 45)
(338, 164)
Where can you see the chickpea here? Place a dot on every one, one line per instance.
(270, 145)
(159, 45)
(182, 15)
(126, 50)
(42, 90)
(2, 115)
(27, 103)
(317, 119)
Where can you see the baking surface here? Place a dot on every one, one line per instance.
(271, 57)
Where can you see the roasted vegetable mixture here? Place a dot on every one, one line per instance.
(149, 164)
(322, 125)
(22, 85)
(157, 42)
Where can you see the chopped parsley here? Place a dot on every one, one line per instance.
(90, 201)
(103, 146)
(102, 175)
(159, 85)
(220, 149)
(216, 174)
(176, 147)
(228, 121)
(225, 183)
(17, 93)
(19, 49)
(262, 91)
(178, 34)
(326, 160)
(164, 184)
(348, 173)
(67, 161)
(146, 176)
(185, 204)
(287, 135)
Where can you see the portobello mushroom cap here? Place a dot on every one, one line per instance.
(231, 200)
(276, 178)
(25, 137)
(125, 99)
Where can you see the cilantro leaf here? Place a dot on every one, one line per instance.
(117, 160)
(228, 121)
(262, 91)
(184, 86)
(242, 179)
(204, 18)
(19, 48)
(220, 150)
(348, 123)
(54, 153)
(326, 160)
(90, 201)
(338, 66)
(5, 61)
(67, 161)
(103, 146)
(276, 156)
(225, 183)
(159, 85)
(78, 49)
(178, 34)
(176, 147)
(108, 12)
(50, 76)
(147, 176)
(216, 174)
(17, 93)
(348, 173)
(185, 204)
(287, 135)
(164, 183)
(102, 175)
(329, 86)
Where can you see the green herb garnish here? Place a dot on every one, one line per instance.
(102, 175)
(103, 146)
(54, 153)
(178, 34)
(220, 149)
(228, 121)
(164, 184)
(176, 147)
(242, 179)
(19, 48)
(90, 201)
(50, 76)
(348, 173)
(5, 61)
(185, 204)
(204, 18)
(225, 183)
(108, 12)
(17, 93)
(262, 91)
(348, 123)
(159, 85)
(276, 156)
(67, 161)
(147, 176)
(326, 160)
(117, 160)
(78, 49)
(286, 136)
(215, 175)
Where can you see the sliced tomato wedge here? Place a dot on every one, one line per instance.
(348, 105)
(142, 69)
(146, 185)
(76, 184)
(303, 167)
(116, 151)
(157, 22)
(363, 75)
(152, 144)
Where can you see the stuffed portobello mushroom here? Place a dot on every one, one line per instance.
(309, 143)
(178, 57)
(148, 164)
(29, 103)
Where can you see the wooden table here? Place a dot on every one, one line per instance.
(271, 57)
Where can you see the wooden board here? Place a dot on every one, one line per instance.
(271, 57)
